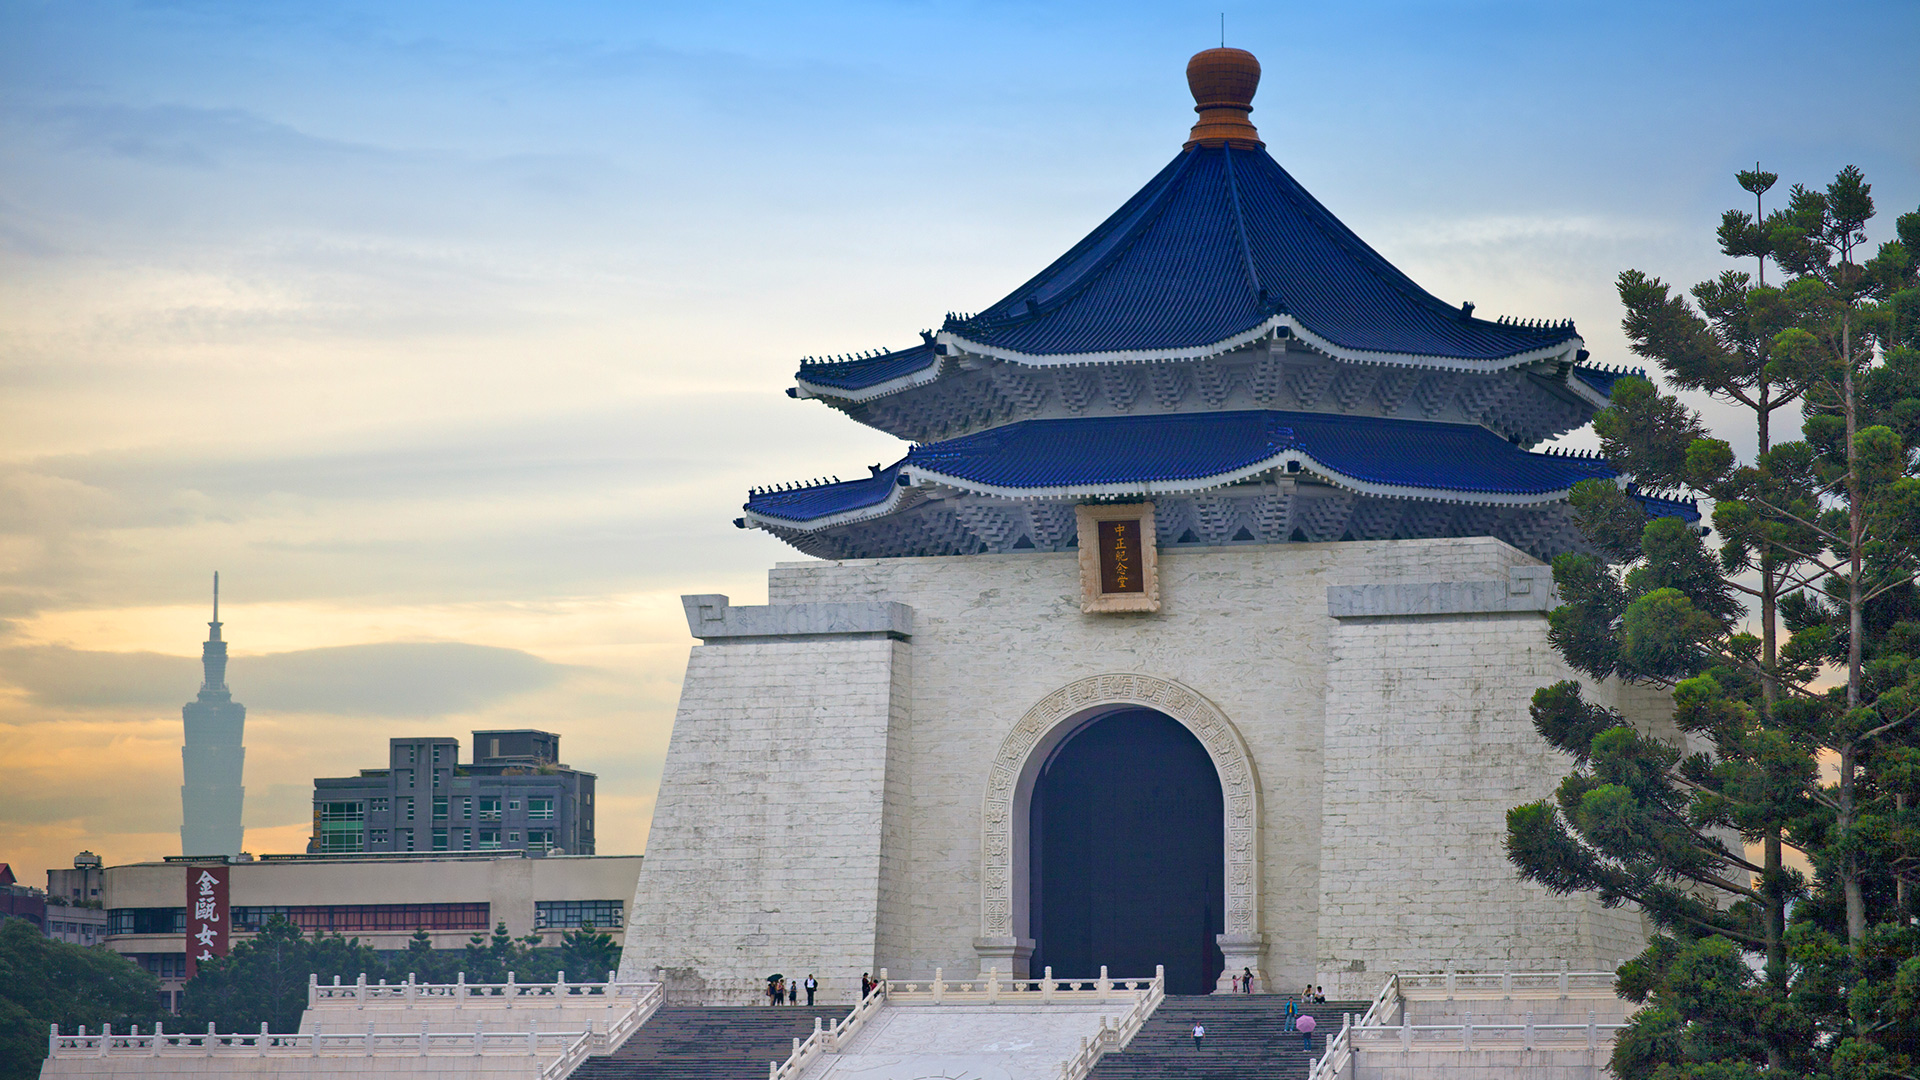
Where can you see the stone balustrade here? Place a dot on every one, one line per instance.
(559, 1052)
(360, 993)
(1387, 1026)
(348, 1024)
(608, 1011)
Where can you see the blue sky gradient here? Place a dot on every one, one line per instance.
(467, 324)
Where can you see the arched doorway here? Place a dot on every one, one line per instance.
(1128, 853)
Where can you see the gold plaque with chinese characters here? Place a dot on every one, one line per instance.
(1119, 564)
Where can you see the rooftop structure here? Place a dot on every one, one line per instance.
(213, 756)
(1197, 630)
(1224, 345)
(515, 795)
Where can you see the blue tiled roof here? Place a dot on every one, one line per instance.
(1216, 244)
(1457, 460)
(858, 374)
(825, 500)
(1602, 379)
(1658, 507)
(1464, 458)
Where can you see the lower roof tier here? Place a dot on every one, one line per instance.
(1417, 469)
(1275, 510)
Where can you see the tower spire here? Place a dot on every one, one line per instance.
(213, 654)
(213, 755)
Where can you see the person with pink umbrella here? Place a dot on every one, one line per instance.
(1305, 1026)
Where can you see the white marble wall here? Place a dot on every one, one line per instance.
(1429, 744)
(772, 834)
(1387, 751)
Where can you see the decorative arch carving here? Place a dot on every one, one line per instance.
(1009, 782)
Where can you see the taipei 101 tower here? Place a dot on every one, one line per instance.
(213, 755)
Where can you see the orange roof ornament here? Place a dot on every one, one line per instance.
(1223, 82)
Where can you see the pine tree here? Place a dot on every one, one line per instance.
(1827, 526)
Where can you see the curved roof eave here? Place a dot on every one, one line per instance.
(1290, 463)
(808, 389)
(805, 388)
(1267, 328)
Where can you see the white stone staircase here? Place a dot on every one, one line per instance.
(988, 1028)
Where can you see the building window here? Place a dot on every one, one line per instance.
(513, 837)
(380, 806)
(342, 841)
(147, 920)
(489, 839)
(377, 836)
(489, 809)
(439, 839)
(466, 808)
(406, 806)
(407, 836)
(439, 806)
(540, 839)
(163, 965)
(340, 825)
(540, 809)
(411, 773)
(337, 918)
(436, 755)
(551, 914)
(513, 804)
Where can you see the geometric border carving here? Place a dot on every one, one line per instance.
(1238, 785)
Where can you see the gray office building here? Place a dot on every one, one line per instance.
(514, 794)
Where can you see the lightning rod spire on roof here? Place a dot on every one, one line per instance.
(215, 624)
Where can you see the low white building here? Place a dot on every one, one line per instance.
(380, 899)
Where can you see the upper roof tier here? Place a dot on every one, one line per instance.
(1223, 252)
(1224, 247)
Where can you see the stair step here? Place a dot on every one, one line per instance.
(681, 1042)
(1246, 1036)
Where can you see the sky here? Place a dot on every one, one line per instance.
(452, 334)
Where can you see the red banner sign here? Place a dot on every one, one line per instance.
(207, 914)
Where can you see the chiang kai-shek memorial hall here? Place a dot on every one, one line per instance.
(1196, 628)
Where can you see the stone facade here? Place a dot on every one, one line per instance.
(842, 758)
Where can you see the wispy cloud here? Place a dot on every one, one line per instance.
(383, 679)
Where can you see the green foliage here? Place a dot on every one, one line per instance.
(588, 954)
(1805, 742)
(264, 979)
(44, 981)
(489, 958)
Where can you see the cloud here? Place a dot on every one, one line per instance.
(384, 679)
